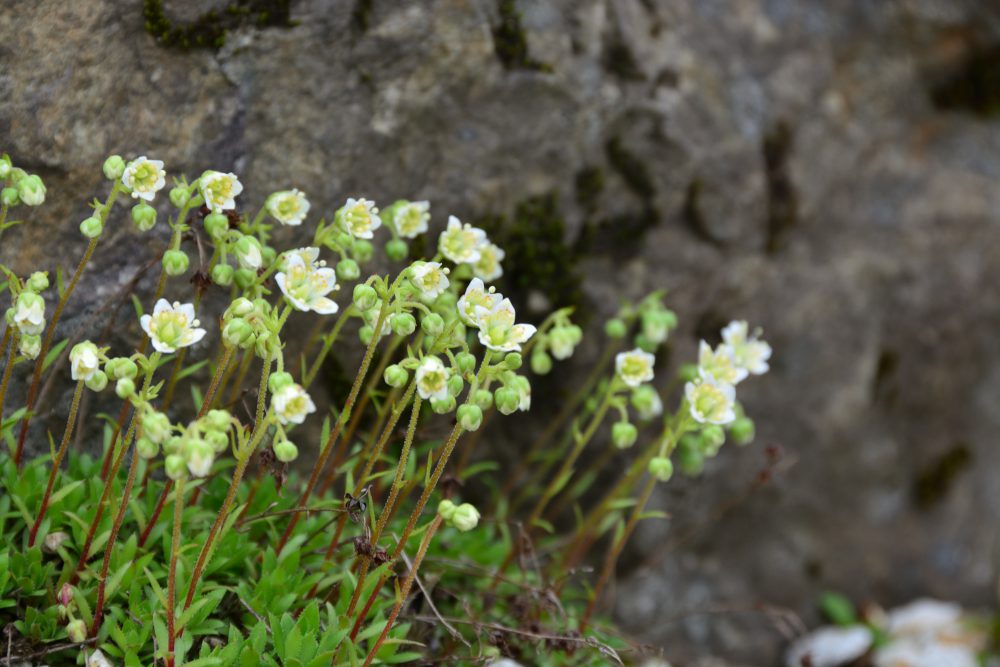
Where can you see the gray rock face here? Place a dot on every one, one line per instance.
(825, 169)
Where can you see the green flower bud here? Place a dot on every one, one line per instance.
(175, 262)
(31, 190)
(446, 509)
(562, 342)
(541, 362)
(656, 324)
(623, 434)
(396, 376)
(222, 274)
(506, 400)
(239, 333)
(615, 328)
(143, 216)
(513, 360)
(285, 451)
(218, 420)
(76, 630)
(661, 468)
(644, 342)
(444, 406)
(365, 297)
(217, 440)
(366, 333)
(156, 426)
(712, 438)
(646, 402)
(279, 381)
(687, 372)
(742, 431)
(5, 166)
(200, 457)
(690, 457)
(363, 250)
(146, 448)
(268, 254)
(175, 467)
(248, 252)
(465, 517)
(92, 227)
(455, 384)
(179, 196)
(470, 416)
(396, 250)
(267, 344)
(241, 307)
(244, 278)
(17, 174)
(217, 226)
(8, 197)
(30, 346)
(348, 270)
(432, 324)
(466, 362)
(483, 398)
(124, 388)
(38, 281)
(173, 445)
(402, 324)
(97, 382)
(114, 167)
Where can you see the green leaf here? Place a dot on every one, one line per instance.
(54, 353)
(838, 608)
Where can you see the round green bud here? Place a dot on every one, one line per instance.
(470, 416)
(690, 458)
(249, 252)
(92, 227)
(465, 517)
(121, 367)
(173, 445)
(217, 420)
(30, 346)
(239, 333)
(541, 362)
(279, 381)
(443, 406)
(446, 509)
(363, 250)
(615, 328)
(31, 190)
(146, 448)
(244, 277)
(222, 274)
(179, 196)
(366, 333)
(143, 216)
(267, 344)
(645, 343)
(402, 324)
(506, 400)
(114, 167)
(687, 372)
(712, 438)
(661, 468)
(38, 281)
(217, 440)
(396, 250)
(175, 262)
(742, 431)
(285, 451)
(76, 630)
(124, 388)
(365, 297)
(623, 434)
(5, 166)
(97, 381)
(562, 342)
(483, 398)
(646, 401)
(455, 384)
(200, 457)
(466, 362)
(175, 467)
(217, 226)
(575, 333)
(241, 307)
(16, 174)
(348, 270)
(268, 255)
(432, 324)
(156, 426)
(396, 376)
(8, 197)
(513, 361)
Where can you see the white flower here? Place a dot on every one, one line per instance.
(360, 217)
(289, 207)
(97, 659)
(924, 652)
(497, 330)
(461, 243)
(749, 351)
(306, 286)
(430, 278)
(144, 177)
(248, 253)
(432, 379)
(220, 190)
(30, 345)
(84, 360)
(710, 401)
(291, 404)
(488, 266)
(719, 364)
(476, 296)
(635, 367)
(411, 218)
(200, 457)
(172, 327)
(830, 647)
(29, 313)
(309, 256)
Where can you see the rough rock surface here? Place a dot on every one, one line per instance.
(825, 168)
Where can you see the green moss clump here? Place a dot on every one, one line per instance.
(209, 30)
(509, 41)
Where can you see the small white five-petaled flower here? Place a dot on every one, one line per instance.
(411, 218)
(711, 401)
(719, 363)
(220, 190)
(497, 329)
(144, 177)
(306, 286)
(360, 217)
(488, 266)
(172, 327)
(476, 296)
(461, 243)
(291, 404)
(289, 207)
(432, 379)
(749, 351)
(430, 278)
(84, 360)
(635, 367)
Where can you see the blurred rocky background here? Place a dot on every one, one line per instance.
(824, 168)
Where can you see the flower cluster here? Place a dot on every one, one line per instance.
(27, 315)
(712, 395)
(18, 187)
(464, 517)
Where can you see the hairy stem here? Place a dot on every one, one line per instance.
(175, 545)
